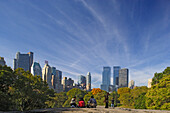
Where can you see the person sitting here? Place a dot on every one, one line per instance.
(81, 103)
(93, 102)
(73, 102)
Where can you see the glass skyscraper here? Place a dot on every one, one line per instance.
(106, 78)
(82, 80)
(36, 69)
(116, 75)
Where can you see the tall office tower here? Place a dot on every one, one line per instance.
(82, 81)
(54, 78)
(58, 82)
(59, 75)
(24, 61)
(131, 84)
(36, 69)
(88, 82)
(46, 75)
(116, 75)
(2, 61)
(123, 77)
(106, 78)
(149, 83)
(64, 82)
(30, 59)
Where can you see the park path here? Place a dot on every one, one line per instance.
(99, 109)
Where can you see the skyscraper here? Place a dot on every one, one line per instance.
(116, 75)
(88, 82)
(58, 81)
(123, 77)
(106, 78)
(36, 69)
(23, 61)
(46, 75)
(64, 82)
(82, 81)
(131, 84)
(2, 61)
(53, 74)
(59, 75)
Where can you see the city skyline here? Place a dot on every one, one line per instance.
(82, 36)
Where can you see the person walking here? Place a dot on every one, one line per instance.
(106, 100)
(112, 103)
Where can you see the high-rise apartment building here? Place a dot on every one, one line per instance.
(131, 84)
(106, 78)
(123, 77)
(46, 75)
(36, 69)
(88, 82)
(116, 75)
(24, 61)
(2, 61)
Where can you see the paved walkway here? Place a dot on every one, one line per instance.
(99, 109)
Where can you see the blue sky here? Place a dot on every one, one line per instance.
(80, 36)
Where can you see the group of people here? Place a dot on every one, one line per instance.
(91, 103)
(81, 104)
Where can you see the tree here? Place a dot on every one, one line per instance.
(58, 100)
(20, 90)
(123, 90)
(158, 97)
(87, 97)
(96, 90)
(140, 102)
(6, 82)
(100, 97)
(75, 92)
(158, 76)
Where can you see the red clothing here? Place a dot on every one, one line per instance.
(81, 104)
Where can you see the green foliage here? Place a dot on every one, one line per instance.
(158, 97)
(87, 97)
(123, 90)
(113, 95)
(22, 91)
(74, 93)
(158, 76)
(58, 100)
(140, 102)
(100, 97)
(132, 97)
